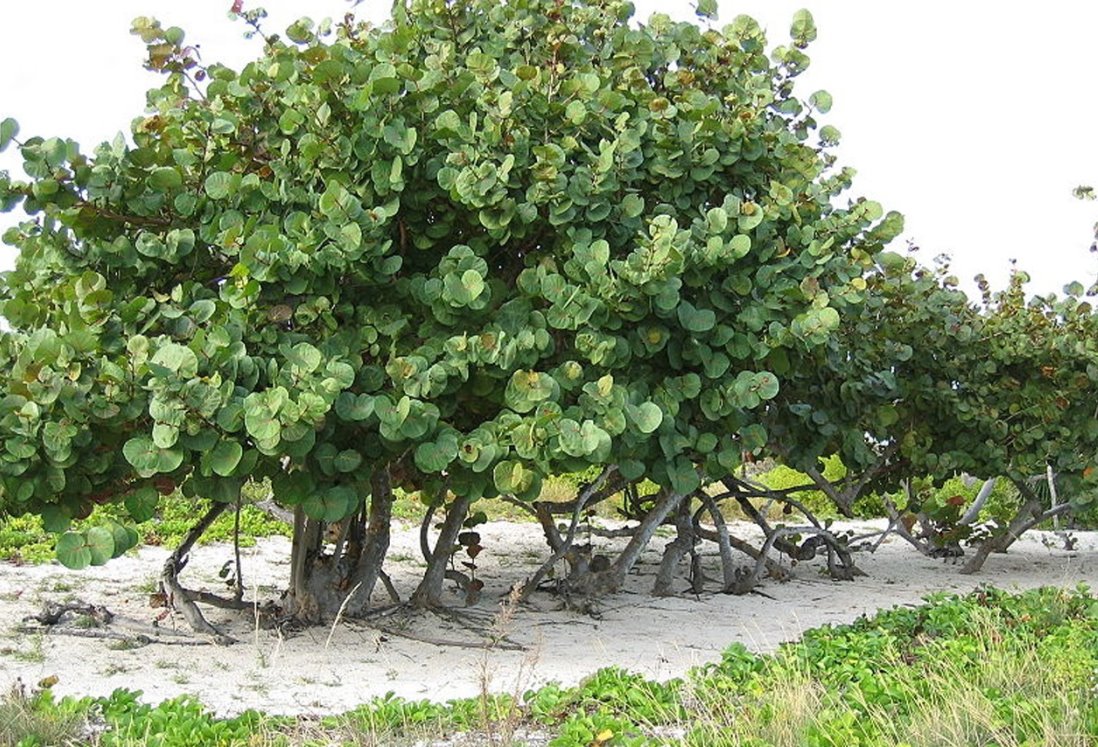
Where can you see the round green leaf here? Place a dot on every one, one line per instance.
(100, 543)
(512, 477)
(576, 112)
(165, 178)
(347, 460)
(55, 518)
(435, 457)
(122, 538)
(526, 389)
(352, 408)
(72, 551)
(141, 504)
(9, 128)
(684, 476)
(143, 454)
(821, 100)
(647, 417)
(224, 457)
(179, 359)
(261, 417)
(305, 357)
(219, 185)
(694, 319)
(331, 505)
(803, 29)
(766, 385)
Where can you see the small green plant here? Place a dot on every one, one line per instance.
(30, 718)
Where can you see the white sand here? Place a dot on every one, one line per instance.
(306, 673)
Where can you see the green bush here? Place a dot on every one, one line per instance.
(782, 477)
(24, 539)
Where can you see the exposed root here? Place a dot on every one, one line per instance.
(129, 640)
(52, 613)
(840, 564)
(403, 616)
(82, 620)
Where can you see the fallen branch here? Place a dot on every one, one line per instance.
(139, 639)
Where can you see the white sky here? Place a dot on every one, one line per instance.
(975, 119)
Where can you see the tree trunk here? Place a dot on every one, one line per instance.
(675, 551)
(728, 565)
(376, 543)
(429, 592)
(612, 579)
(326, 584)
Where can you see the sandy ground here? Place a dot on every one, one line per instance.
(331, 670)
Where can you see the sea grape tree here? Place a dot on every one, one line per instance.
(922, 382)
(483, 244)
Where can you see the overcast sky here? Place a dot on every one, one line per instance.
(974, 119)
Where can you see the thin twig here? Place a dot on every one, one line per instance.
(339, 615)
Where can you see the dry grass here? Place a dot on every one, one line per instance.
(1014, 696)
(21, 722)
(780, 717)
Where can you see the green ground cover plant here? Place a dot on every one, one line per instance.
(24, 539)
(988, 668)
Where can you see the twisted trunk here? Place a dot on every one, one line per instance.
(184, 600)
(1028, 516)
(429, 592)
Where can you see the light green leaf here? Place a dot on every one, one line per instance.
(766, 385)
(305, 357)
(179, 359)
(576, 112)
(803, 29)
(646, 416)
(224, 457)
(165, 178)
(9, 129)
(219, 185)
(706, 9)
(149, 459)
(632, 206)
(821, 100)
